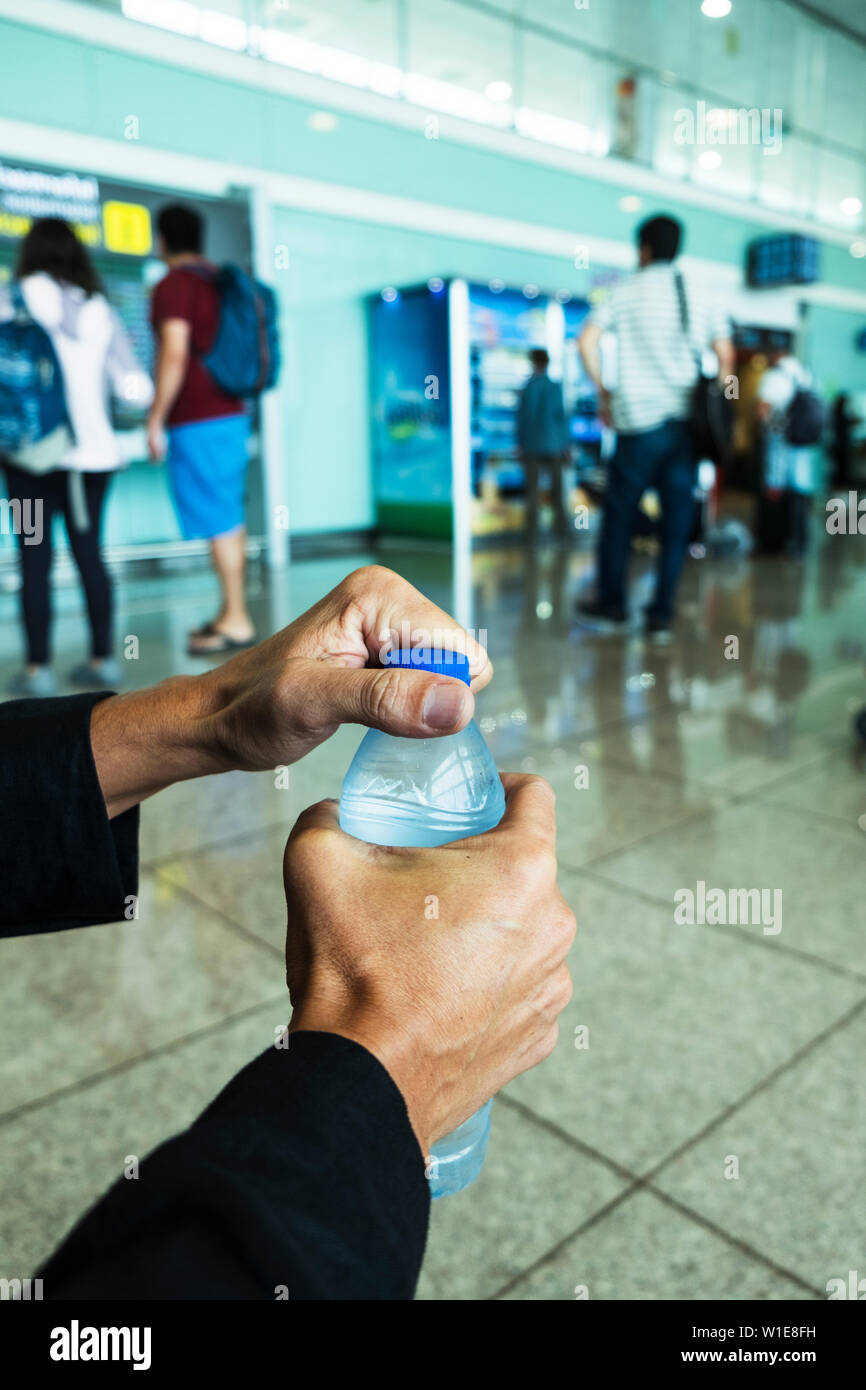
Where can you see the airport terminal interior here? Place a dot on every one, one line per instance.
(434, 189)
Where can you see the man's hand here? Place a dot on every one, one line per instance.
(270, 705)
(605, 408)
(280, 699)
(455, 1006)
(156, 442)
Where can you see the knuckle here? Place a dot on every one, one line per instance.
(309, 840)
(535, 864)
(565, 926)
(546, 1044)
(564, 989)
(366, 578)
(534, 779)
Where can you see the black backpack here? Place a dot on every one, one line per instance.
(804, 418)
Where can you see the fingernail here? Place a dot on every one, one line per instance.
(444, 705)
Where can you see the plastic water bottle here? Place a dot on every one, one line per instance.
(424, 792)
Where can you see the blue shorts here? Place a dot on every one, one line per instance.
(207, 466)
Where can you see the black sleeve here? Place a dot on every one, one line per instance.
(64, 863)
(303, 1179)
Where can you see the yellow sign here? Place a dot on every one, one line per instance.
(127, 228)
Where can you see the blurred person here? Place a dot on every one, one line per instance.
(787, 467)
(266, 1189)
(542, 437)
(845, 419)
(61, 292)
(649, 409)
(197, 427)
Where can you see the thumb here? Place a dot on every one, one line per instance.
(414, 704)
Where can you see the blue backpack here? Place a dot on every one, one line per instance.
(35, 429)
(245, 356)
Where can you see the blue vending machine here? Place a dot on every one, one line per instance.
(448, 361)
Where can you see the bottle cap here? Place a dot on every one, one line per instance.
(434, 659)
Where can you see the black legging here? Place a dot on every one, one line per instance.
(52, 490)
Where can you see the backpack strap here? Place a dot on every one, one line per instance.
(685, 322)
(20, 312)
(211, 275)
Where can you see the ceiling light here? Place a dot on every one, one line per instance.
(630, 203)
(531, 291)
(322, 121)
(453, 100)
(435, 284)
(553, 130)
(176, 15)
(851, 206)
(386, 79)
(722, 118)
(344, 67)
(716, 9)
(858, 250)
(563, 296)
(710, 159)
(224, 30)
(498, 91)
(496, 286)
(389, 294)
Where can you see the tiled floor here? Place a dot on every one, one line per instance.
(713, 1050)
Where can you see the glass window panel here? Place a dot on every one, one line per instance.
(368, 30)
(568, 85)
(459, 46)
(787, 180)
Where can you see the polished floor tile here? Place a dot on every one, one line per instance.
(798, 1146)
(647, 1250)
(77, 1003)
(534, 1190)
(815, 866)
(668, 1025)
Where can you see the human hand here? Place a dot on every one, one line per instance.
(156, 441)
(270, 705)
(454, 1007)
(275, 702)
(605, 409)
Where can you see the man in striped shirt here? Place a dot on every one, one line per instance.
(649, 409)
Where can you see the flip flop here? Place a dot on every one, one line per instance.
(226, 643)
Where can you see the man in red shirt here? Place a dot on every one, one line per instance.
(196, 427)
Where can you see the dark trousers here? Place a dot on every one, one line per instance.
(52, 491)
(663, 459)
(532, 466)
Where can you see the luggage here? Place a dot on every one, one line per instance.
(782, 524)
(772, 522)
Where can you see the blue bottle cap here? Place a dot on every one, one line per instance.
(434, 659)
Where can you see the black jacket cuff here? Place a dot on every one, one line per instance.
(65, 864)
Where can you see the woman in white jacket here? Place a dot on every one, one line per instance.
(62, 293)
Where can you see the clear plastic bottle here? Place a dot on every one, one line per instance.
(425, 792)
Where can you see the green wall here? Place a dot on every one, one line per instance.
(56, 81)
(833, 354)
